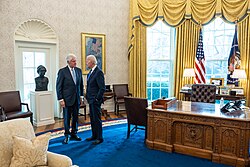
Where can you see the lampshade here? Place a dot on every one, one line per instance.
(188, 72)
(239, 73)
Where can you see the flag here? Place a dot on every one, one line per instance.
(233, 60)
(199, 68)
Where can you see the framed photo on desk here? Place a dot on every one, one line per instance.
(224, 90)
(217, 81)
(239, 91)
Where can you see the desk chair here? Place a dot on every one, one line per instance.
(137, 113)
(203, 93)
(120, 90)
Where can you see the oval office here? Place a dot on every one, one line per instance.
(85, 83)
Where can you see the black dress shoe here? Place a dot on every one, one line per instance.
(97, 141)
(75, 137)
(66, 140)
(90, 138)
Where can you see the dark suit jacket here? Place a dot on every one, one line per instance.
(66, 88)
(95, 86)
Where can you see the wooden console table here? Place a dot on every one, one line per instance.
(200, 129)
(187, 96)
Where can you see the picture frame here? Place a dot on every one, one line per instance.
(217, 81)
(93, 44)
(238, 90)
(224, 90)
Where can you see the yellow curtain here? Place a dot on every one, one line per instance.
(187, 37)
(138, 62)
(244, 41)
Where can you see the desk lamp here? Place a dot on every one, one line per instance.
(189, 73)
(240, 74)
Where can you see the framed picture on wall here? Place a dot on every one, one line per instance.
(93, 44)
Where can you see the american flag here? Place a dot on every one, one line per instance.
(233, 60)
(199, 68)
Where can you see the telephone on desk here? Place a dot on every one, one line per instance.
(232, 106)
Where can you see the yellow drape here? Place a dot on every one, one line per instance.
(187, 37)
(244, 42)
(138, 62)
(179, 13)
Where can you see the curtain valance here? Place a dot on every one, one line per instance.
(174, 12)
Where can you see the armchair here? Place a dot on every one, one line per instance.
(136, 113)
(22, 127)
(203, 93)
(120, 90)
(12, 105)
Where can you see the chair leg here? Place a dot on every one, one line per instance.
(85, 113)
(115, 109)
(128, 132)
(31, 120)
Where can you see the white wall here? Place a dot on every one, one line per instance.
(69, 18)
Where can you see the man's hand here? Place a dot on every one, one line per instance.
(62, 103)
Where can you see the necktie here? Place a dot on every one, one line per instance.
(74, 75)
(89, 74)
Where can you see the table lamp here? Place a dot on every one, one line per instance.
(239, 73)
(189, 73)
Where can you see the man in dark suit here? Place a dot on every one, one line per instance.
(95, 91)
(69, 89)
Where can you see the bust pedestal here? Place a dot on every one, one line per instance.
(41, 103)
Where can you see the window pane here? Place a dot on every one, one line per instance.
(28, 59)
(39, 59)
(28, 75)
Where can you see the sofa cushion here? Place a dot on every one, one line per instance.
(30, 153)
(16, 127)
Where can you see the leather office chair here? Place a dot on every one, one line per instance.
(203, 93)
(136, 113)
(120, 90)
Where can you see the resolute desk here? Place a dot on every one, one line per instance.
(200, 129)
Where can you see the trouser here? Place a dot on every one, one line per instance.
(95, 119)
(68, 112)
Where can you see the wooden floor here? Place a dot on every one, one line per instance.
(59, 122)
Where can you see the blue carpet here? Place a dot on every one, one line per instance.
(118, 151)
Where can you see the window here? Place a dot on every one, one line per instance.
(31, 60)
(160, 54)
(218, 38)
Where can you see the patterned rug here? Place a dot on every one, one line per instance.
(84, 127)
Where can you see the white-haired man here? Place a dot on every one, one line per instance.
(69, 88)
(94, 95)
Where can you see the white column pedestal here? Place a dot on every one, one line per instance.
(41, 103)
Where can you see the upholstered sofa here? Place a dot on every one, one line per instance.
(23, 128)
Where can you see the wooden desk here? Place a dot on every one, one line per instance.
(200, 129)
(187, 96)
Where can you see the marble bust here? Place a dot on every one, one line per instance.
(41, 81)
